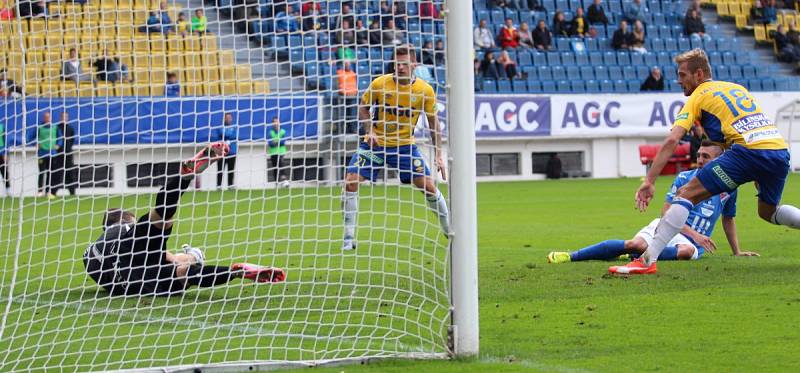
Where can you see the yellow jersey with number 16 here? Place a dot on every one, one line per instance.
(729, 115)
(396, 108)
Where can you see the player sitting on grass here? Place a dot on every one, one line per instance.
(695, 236)
(130, 257)
(756, 152)
(397, 100)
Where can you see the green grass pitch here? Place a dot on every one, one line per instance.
(718, 314)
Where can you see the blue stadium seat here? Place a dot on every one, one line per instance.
(642, 72)
(489, 86)
(413, 25)
(754, 84)
(550, 5)
(604, 43)
(415, 39)
(684, 44)
(600, 72)
(562, 44)
(591, 44)
(628, 72)
(325, 69)
(709, 45)
(736, 73)
(363, 82)
(728, 58)
(310, 55)
(610, 58)
(742, 57)
(296, 55)
(519, 86)
(534, 86)
(563, 86)
(544, 73)
(615, 72)
(309, 41)
(548, 86)
(620, 86)
(311, 70)
(496, 17)
(596, 58)
(524, 58)
(581, 59)
(658, 18)
(655, 44)
(672, 86)
(670, 44)
(558, 72)
(637, 59)
(633, 85)
(375, 54)
(562, 5)
(567, 58)
(539, 58)
(794, 84)
(670, 72)
(513, 14)
(295, 41)
(782, 84)
(664, 58)
(573, 72)
(623, 58)
(427, 27)
(606, 86)
(553, 58)
(664, 31)
(614, 6)
(587, 72)
(715, 58)
(654, 6)
(763, 72)
(768, 84)
(650, 59)
(748, 72)
(377, 68)
(578, 86)
(363, 67)
(504, 86)
(483, 14)
(722, 72)
(592, 86)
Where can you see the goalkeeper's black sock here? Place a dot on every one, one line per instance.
(207, 276)
(170, 193)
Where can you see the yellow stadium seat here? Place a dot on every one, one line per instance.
(54, 25)
(260, 87)
(780, 18)
(123, 89)
(48, 89)
(243, 72)
(245, 88)
(141, 89)
(192, 60)
(175, 43)
(228, 88)
(211, 74)
(33, 73)
(32, 88)
(227, 73)
(158, 75)
(722, 9)
(104, 89)
(34, 58)
(191, 43)
(15, 59)
(211, 89)
(71, 40)
(226, 58)
(208, 42)
(141, 43)
(760, 33)
(771, 29)
(741, 22)
(192, 75)
(210, 59)
(174, 63)
(124, 46)
(35, 42)
(744, 8)
(141, 61)
(191, 89)
(158, 61)
(36, 26)
(85, 90)
(157, 89)
(54, 41)
(157, 43)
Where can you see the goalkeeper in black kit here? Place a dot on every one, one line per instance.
(130, 256)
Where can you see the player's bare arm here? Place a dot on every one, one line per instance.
(369, 130)
(729, 226)
(646, 191)
(436, 138)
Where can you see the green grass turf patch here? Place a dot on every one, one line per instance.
(718, 314)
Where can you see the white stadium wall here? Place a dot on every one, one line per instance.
(605, 129)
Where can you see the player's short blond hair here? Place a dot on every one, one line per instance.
(406, 50)
(695, 59)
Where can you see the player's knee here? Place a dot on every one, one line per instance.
(351, 182)
(766, 211)
(685, 252)
(635, 245)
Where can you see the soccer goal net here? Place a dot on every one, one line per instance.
(103, 101)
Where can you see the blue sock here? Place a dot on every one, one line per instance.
(669, 253)
(605, 250)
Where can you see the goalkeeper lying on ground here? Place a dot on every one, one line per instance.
(130, 257)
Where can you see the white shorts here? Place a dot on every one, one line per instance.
(649, 231)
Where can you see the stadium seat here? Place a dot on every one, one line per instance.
(735, 72)
(534, 86)
(615, 72)
(524, 58)
(563, 86)
(637, 59)
(633, 85)
(642, 71)
(650, 59)
(581, 59)
(539, 58)
(655, 44)
(520, 86)
(504, 86)
(496, 17)
(748, 72)
(742, 57)
(664, 59)
(768, 84)
(567, 59)
(591, 44)
(489, 86)
(573, 72)
(562, 44)
(728, 58)
(596, 58)
(600, 72)
(782, 85)
(609, 58)
(623, 58)
(553, 58)
(670, 72)
(587, 72)
(715, 58)
(606, 86)
(620, 86)
(578, 86)
(558, 72)
(722, 72)
(629, 72)
(531, 72)
(544, 73)
(592, 86)
(548, 86)
(754, 84)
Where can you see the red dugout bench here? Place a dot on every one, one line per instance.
(680, 160)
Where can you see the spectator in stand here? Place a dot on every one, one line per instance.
(200, 22)
(793, 35)
(183, 27)
(346, 15)
(621, 37)
(635, 11)
(439, 53)
(385, 12)
(490, 69)
(48, 142)
(107, 68)
(400, 17)
(637, 38)
(311, 13)
(375, 33)
(346, 35)
(770, 12)
(693, 5)
(426, 56)
(693, 24)
(560, 26)
(427, 9)
(172, 88)
(509, 66)
(72, 69)
(6, 11)
(152, 25)
(578, 24)
(362, 34)
(482, 37)
(32, 9)
(525, 38)
(348, 95)
(542, 39)
(345, 53)
(508, 35)
(786, 51)
(514, 4)
(391, 35)
(8, 87)
(596, 14)
(4, 160)
(654, 81)
(536, 5)
(277, 151)
(166, 21)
